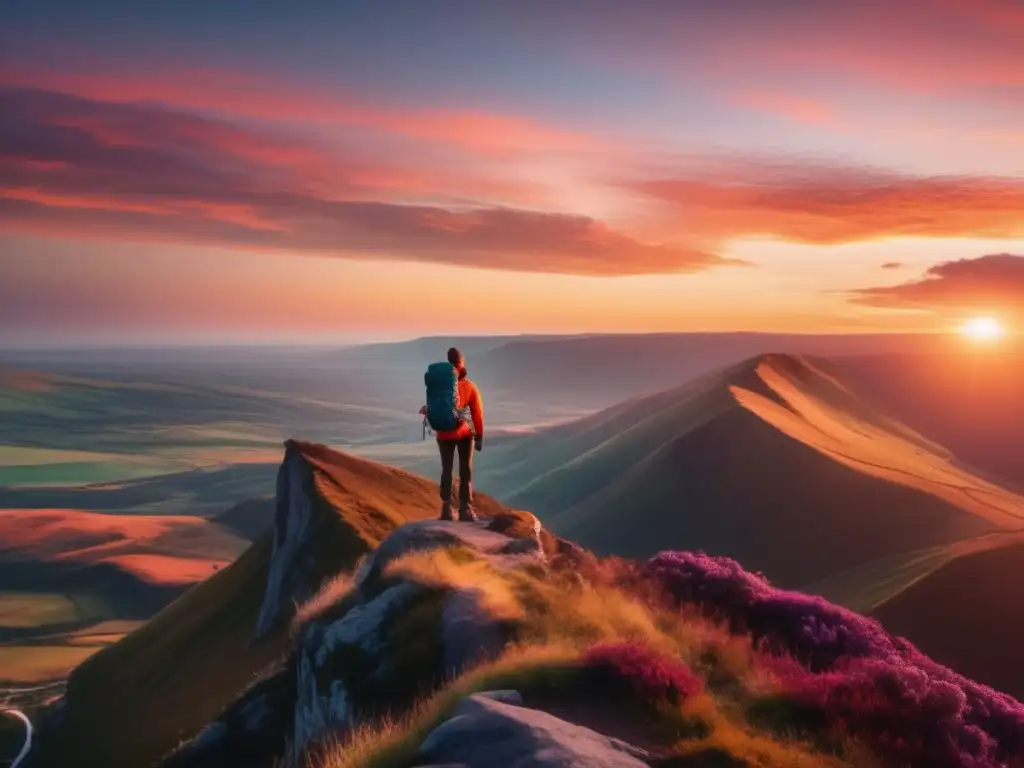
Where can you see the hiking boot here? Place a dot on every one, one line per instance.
(446, 511)
(467, 515)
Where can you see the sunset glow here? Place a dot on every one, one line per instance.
(306, 173)
(983, 329)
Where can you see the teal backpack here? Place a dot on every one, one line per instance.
(442, 380)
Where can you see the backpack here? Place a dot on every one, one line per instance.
(442, 380)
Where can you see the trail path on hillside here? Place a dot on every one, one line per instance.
(17, 714)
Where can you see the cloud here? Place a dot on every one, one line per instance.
(829, 204)
(237, 95)
(789, 106)
(86, 168)
(893, 265)
(993, 282)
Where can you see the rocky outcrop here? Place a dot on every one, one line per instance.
(492, 729)
(389, 639)
(290, 577)
(332, 509)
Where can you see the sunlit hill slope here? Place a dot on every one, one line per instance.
(775, 462)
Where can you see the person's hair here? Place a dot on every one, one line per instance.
(454, 356)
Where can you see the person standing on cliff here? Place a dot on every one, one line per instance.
(455, 411)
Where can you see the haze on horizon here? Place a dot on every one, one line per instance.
(341, 172)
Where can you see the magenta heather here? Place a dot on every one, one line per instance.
(881, 688)
(650, 674)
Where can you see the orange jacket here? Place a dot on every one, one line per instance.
(469, 397)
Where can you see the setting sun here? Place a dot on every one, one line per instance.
(983, 329)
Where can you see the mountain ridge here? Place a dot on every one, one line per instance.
(728, 462)
(241, 622)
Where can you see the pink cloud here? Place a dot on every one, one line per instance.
(242, 96)
(88, 168)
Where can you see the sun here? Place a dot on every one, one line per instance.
(983, 329)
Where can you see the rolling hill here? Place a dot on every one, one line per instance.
(774, 461)
(138, 698)
(172, 550)
(969, 603)
(595, 370)
(72, 582)
(958, 603)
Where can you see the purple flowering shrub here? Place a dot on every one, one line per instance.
(809, 628)
(879, 688)
(649, 674)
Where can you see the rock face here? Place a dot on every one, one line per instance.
(332, 509)
(386, 641)
(289, 578)
(489, 730)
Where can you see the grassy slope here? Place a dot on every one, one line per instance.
(544, 471)
(773, 462)
(138, 698)
(557, 624)
(965, 613)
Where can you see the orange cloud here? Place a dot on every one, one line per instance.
(994, 282)
(829, 205)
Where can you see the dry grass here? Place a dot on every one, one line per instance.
(557, 625)
(755, 748)
(328, 596)
(389, 743)
(449, 568)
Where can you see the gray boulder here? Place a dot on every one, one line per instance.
(487, 731)
(501, 551)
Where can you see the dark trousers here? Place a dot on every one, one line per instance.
(465, 449)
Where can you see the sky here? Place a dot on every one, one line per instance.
(255, 170)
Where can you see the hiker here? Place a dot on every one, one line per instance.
(455, 411)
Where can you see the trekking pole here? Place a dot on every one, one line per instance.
(424, 427)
